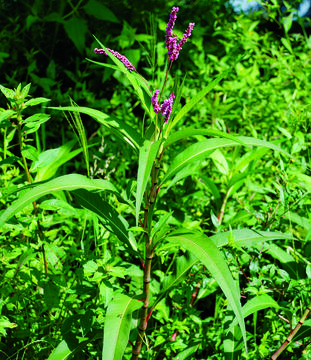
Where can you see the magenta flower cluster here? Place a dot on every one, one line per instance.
(122, 58)
(167, 106)
(171, 41)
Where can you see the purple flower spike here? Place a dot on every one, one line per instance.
(154, 101)
(167, 107)
(185, 37)
(122, 58)
(171, 39)
(170, 25)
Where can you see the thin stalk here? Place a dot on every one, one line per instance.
(40, 232)
(293, 333)
(223, 207)
(148, 213)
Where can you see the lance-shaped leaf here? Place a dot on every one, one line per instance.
(207, 252)
(247, 237)
(109, 217)
(147, 155)
(67, 182)
(255, 304)
(120, 128)
(185, 109)
(117, 326)
(185, 133)
(204, 148)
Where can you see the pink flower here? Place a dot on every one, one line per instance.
(167, 106)
(122, 58)
(171, 40)
(154, 101)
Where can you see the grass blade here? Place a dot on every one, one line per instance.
(124, 131)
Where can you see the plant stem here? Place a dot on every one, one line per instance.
(294, 332)
(20, 140)
(150, 200)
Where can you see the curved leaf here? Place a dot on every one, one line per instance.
(204, 148)
(185, 133)
(109, 217)
(117, 326)
(185, 109)
(125, 132)
(66, 182)
(247, 237)
(147, 155)
(207, 252)
(255, 304)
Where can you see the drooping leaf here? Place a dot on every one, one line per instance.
(67, 182)
(109, 217)
(124, 131)
(255, 304)
(204, 148)
(147, 155)
(206, 251)
(117, 325)
(185, 109)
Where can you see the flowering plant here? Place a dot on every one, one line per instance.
(129, 314)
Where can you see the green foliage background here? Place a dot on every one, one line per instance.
(264, 96)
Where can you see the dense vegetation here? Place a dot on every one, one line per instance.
(136, 226)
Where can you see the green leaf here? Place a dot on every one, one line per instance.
(50, 160)
(183, 266)
(117, 325)
(36, 101)
(109, 217)
(186, 353)
(196, 152)
(206, 251)
(185, 133)
(76, 29)
(30, 152)
(255, 304)
(4, 324)
(32, 123)
(247, 237)
(8, 93)
(67, 182)
(6, 115)
(304, 331)
(61, 352)
(124, 131)
(204, 148)
(101, 12)
(147, 155)
(185, 109)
